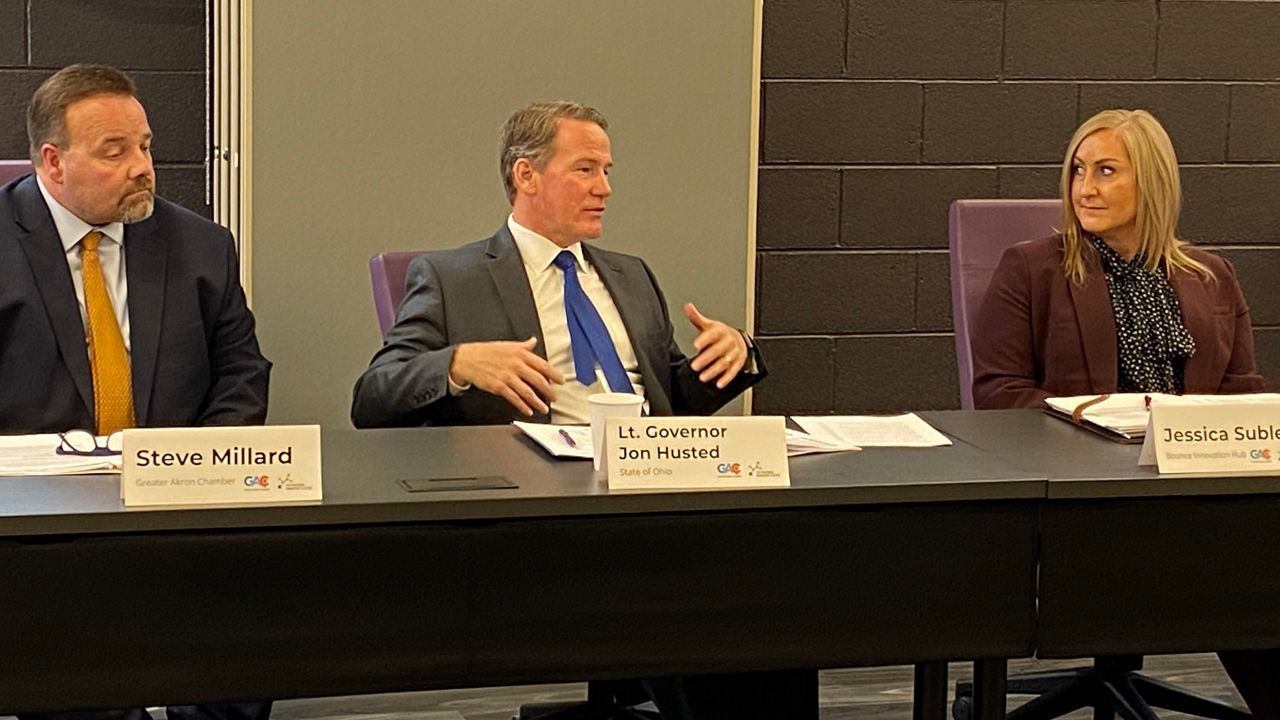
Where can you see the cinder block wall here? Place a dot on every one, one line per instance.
(161, 44)
(878, 113)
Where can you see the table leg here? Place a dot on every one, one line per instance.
(930, 695)
(990, 679)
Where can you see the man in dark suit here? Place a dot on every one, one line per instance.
(491, 315)
(117, 308)
(532, 320)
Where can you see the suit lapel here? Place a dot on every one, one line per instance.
(145, 253)
(619, 285)
(1196, 303)
(48, 263)
(506, 268)
(1097, 322)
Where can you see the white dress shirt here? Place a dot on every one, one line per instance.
(547, 282)
(71, 230)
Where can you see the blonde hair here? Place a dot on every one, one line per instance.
(1158, 189)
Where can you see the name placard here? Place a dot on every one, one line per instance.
(220, 465)
(696, 453)
(1224, 437)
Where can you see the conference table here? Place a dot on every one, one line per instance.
(1132, 561)
(504, 566)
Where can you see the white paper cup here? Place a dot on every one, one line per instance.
(607, 405)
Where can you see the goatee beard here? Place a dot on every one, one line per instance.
(138, 210)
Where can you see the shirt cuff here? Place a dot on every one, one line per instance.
(749, 367)
(455, 389)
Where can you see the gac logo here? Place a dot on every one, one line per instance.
(256, 481)
(1263, 454)
(729, 469)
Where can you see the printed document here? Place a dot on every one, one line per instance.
(38, 455)
(906, 430)
(574, 441)
(1124, 415)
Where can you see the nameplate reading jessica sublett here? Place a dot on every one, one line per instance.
(696, 453)
(1230, 434)
(221, 465)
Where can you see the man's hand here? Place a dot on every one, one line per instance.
(510, 370)
(722, 351)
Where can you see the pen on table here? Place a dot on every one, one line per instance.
(568, 439)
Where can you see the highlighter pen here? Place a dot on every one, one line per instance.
(568, 439)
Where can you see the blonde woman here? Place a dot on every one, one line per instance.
(1117, 303)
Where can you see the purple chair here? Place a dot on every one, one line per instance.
(981, 230)
(387, 270)
(13, 169)
(608, 700)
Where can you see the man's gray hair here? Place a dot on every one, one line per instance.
(47, 113)
(530, 133)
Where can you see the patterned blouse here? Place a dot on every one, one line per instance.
(1152, 341)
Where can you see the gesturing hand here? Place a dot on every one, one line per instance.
(508, 369)
(722, 351)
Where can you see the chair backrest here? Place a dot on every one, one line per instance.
(13, 169)
(981, 230)
(387, 270)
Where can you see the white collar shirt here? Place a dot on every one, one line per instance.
(547, 283)
(71, 230)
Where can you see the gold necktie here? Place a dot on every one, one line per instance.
(112, 386)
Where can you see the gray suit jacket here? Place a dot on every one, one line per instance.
(479, 292)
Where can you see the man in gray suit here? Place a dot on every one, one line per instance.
(529, 322)
(483, 335)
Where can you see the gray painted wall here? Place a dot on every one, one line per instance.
(376, 128)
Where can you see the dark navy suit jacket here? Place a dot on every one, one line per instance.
(195, 358)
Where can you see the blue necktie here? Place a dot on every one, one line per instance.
(588, 337)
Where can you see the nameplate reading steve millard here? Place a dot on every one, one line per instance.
(221, 465)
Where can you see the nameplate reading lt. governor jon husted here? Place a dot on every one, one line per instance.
(221, 465)
(1224, 437)
(696, 453)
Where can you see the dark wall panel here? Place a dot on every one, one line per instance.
(901, 207)
(885, 38)
(1219, 40)
(799, 208)
(161, 43)
(134, 34)
(809, 37)
(1255, 110)
(13, 32)
(1076, 39)
(997, 122)
(841, 122)
(943, 99)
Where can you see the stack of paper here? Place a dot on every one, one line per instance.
(572, 441)
(1120, 416)
(802, 443)
(906, 430)
(38, 455)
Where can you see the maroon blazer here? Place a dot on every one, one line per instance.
(1040, 335)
